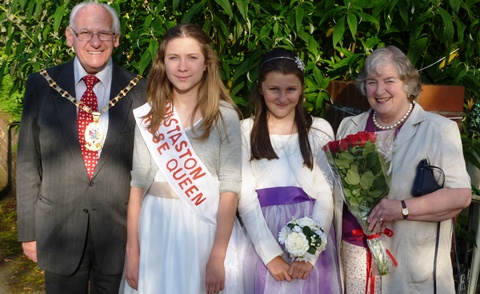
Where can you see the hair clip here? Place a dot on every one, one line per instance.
(297, 60)
(299, 63)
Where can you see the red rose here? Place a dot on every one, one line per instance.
(345, 143)
(372, 137)
(363, 137)
(351, 139)
(332, 146)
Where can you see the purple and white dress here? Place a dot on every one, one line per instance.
(274, 191)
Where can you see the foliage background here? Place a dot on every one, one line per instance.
(332, 37)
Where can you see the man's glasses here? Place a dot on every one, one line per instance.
(86, 36)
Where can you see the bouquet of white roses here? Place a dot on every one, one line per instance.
(303, 238)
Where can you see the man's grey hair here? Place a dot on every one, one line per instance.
(113, 14)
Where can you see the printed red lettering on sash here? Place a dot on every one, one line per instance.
(183, 184)
(184, 171)
(179, 147)
(197, 200)
(164, 146)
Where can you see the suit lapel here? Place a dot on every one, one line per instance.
(67, 112)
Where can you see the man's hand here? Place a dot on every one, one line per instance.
(30, 250)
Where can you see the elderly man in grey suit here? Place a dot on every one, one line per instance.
(75, 157)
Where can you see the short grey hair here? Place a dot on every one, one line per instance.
(111, 11)
(407, 73)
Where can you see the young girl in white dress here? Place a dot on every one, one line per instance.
(182, 230)
(285, 176)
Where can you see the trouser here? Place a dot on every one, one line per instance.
(87, 276)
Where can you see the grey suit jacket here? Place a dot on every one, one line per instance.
(56, 200)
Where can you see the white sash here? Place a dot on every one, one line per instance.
(185, 172)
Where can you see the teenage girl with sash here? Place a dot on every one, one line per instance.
(182, 231)
(285, 176)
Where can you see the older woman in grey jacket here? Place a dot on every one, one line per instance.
(408, 134)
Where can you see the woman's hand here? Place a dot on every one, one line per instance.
(385, 211)
(132, 265)
(300, 269)
(278, 268)
(215, 275)
(437, 206)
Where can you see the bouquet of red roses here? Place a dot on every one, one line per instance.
(361, 170)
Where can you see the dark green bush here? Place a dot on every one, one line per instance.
(332, 37)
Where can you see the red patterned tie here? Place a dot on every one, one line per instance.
(84, 118)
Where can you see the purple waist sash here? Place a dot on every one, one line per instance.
(282, 195)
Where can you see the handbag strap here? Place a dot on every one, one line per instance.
(441, 172)
(435, 260)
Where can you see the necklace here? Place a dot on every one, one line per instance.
(374, 118)
(93, 132)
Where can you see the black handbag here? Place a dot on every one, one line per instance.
(425, 182)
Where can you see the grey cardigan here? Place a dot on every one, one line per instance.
(221, 153)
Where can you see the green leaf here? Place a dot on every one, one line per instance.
(375, 194)
(353, 177)
(275, 29)
(20, 47)
(365, 17)
(175, 4)
(152, 48)
(366, 181)
(447, 23)
(311, 250)
(237, 88)
(144, 62)
(148, 21)
(299, 13)
(461, 31)
(352, 23)
(242, 6)
(403, 9)
(38, 8)
(455, 5)
(227, 7)
(348, 195)
(58, 16)
(338, 31)
(196, 8)
(31, 8)
(417, 50)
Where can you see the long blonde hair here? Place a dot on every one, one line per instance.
(211, 91)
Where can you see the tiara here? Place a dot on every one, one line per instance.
(297, 60)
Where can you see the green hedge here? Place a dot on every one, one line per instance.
(332, 37)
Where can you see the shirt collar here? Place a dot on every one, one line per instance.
(102, 75)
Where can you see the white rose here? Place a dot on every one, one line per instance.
(307, 222)
(296, 244)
